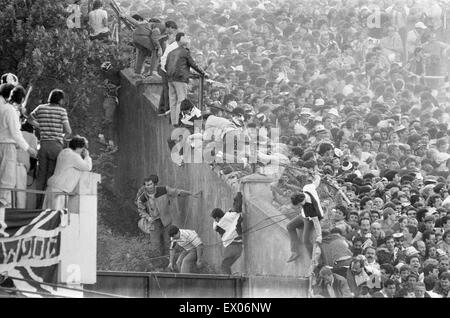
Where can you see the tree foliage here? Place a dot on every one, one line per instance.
(36, 45)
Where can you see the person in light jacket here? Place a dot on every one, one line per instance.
(71, 162)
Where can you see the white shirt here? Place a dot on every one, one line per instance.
(228, 223)
(69, 166)
(169, 49)
(10, 126)
(96, 18)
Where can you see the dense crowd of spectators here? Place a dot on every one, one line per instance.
(358, 91)
(362, 105)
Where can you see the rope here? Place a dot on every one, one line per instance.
(159, 286)
(248, 231)
(30, 292)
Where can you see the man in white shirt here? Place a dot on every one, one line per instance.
(10, 136)
(98, 21)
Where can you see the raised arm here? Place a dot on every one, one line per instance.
(128, 17)
(194, 65)
(181, 193)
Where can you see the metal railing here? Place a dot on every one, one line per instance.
(163, 284)
(14, 191)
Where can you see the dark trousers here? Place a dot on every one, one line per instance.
(293, 225)
(101, 36)
(47, 155)
(142, 54)
(231, 254)
(164, 100)
(159, 237)
(186, 261)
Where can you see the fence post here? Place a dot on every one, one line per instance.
(13, 199)
(119, 27)
(200, 98)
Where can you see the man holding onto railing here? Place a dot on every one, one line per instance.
(178, 66)
(164, 107)
(10, 137)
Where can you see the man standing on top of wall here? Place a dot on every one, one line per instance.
(153, 208)
(149, 38)
(178, 66)
(164, 107)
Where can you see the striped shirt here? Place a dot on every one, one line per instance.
(188, 240)
(50, 119)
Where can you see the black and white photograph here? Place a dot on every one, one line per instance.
(223, 154)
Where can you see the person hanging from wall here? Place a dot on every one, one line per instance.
(311, 213)
(153, 207)
(229, 227)
(192, 249)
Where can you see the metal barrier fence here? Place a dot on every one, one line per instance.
(168, 285)
(14, 191)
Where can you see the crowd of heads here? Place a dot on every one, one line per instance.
(345, 107)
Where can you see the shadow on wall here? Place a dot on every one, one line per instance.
(143, 150)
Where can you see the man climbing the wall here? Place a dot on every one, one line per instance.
(149, 37)
(153, 207)
(228, 225)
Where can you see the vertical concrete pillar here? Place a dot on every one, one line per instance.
(78, 253)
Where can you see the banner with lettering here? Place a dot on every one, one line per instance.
(30, 247)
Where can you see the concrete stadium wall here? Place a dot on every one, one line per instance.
(142, 141)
